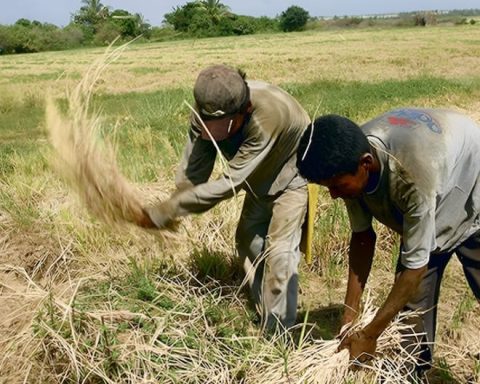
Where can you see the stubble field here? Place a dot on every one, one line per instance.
(84, 302)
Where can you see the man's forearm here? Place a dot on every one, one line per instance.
(352, 298)
(404, 288)
(362, 247)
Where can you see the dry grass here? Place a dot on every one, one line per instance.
(367, 55)
(320, 362)
(88, 346)
(51, 248)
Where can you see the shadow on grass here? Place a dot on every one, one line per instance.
(220, 267)
(326, 319)
(226, 270)
(442, 373)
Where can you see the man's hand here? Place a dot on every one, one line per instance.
(346, 323)
(156, 217)
(161, 215)
(348, 318)
(362, 346)
(143, 220)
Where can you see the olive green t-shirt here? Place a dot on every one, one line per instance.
(261, 156)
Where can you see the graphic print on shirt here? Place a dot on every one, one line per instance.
(411, 117)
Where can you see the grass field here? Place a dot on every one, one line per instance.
(84, 302)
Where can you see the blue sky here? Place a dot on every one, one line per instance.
(59, 11)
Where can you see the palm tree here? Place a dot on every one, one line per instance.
(94, 7)
(214, 9)
(91, 13)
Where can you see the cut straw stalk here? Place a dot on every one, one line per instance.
(319, 361)
(88, 164)
(141, 355)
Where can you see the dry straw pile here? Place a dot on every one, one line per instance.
(320, 362)
(83, 347)
(85, 161)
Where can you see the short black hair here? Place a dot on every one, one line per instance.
(334, 148)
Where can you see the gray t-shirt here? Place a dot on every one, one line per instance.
(261, 157)
(429, 187)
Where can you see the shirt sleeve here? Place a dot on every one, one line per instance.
(204, 196)
(418, 238)
(197, 161)
(359, 216)
(418, 230)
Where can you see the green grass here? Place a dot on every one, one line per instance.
(41, 76)
(146, 70)
(444, 372)
(147, 121)
(149, 130)
(155, 122)
(465, 306)
(195, 306)
(20, 115)
(208, 265)
(363, 100)
(166, 115)
(152, 300)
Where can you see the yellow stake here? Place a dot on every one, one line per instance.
(311, 211)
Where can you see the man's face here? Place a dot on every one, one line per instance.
(221, 129)
(347, 186)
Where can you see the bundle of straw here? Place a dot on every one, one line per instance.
(86, 162)
(319, 361)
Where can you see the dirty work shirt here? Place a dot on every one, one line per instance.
(429, 186)
(261, 156)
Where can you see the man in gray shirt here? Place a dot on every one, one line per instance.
(257, 128)
(418, 172)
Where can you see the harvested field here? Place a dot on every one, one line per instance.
(85, 301)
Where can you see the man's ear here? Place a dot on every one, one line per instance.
(367, 160)
(249, 108)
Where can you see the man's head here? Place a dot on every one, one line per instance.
(334, 152)
(223, 98)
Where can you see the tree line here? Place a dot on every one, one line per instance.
(92, 24)
(95, 24)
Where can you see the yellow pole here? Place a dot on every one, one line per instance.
(312, 209)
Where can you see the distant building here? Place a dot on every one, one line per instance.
(384, 15)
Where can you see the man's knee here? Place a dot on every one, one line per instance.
(277, 285)
(279, 269)
(249, 243)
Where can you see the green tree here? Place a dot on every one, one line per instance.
(91, 15)
(293, 19)
(23, 22)
(143, 27)
(214, 9)
(125, 22)
(106, 33)
(182, 16)
(129, 25)
(200, 17)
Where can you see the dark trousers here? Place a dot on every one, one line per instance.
(426, 298)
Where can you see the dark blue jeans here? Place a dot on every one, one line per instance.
(426, 298)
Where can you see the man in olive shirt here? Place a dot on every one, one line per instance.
(257, 127)
(418, 172)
